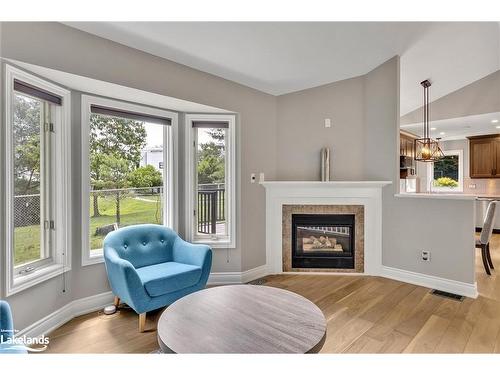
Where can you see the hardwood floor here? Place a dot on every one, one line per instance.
(364, 315)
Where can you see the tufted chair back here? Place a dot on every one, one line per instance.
(142, 245)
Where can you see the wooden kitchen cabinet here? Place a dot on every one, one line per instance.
(407, 144)
(406, 154)
(484, 156)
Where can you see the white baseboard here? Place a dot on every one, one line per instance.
(433, 282)
(66, 313)
(226, 278)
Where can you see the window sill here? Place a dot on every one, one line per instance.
(97, 258)
(40, 275)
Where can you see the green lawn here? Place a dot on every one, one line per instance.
(134, 210)
(140, 210)
(27, 244)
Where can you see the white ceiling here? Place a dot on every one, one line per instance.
(107, 89)
(459, 128)
(282, 57)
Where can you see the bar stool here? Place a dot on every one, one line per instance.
(483, 242)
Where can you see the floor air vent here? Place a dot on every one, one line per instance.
(456, 297)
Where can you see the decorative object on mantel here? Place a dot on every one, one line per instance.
(426, 148)
(325, 164)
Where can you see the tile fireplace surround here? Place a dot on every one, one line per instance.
(362, 198)
(291, 209)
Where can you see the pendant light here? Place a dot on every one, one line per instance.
(426, 148)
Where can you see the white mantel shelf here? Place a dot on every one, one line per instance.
(323, 184)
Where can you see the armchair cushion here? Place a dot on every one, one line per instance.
(163, 278)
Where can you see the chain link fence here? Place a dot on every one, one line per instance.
(26, 210)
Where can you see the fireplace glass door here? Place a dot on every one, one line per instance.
(322, 241)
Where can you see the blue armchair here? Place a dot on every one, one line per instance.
(7, 331)
(149, 266)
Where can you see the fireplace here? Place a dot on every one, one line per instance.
(323, 241)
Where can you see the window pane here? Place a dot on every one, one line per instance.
(27, 207)
(125, 175)
(211, 205)
(446, 171)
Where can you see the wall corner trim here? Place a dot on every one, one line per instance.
(225, 278)
(428, 281)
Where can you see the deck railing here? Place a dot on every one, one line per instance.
(211, 207)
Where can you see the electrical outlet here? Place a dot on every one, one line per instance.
(426, 256)
(472, 186)
(261, 177)
(253, 178)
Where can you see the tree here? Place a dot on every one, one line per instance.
(210, 164)
(122, 138)
(26, 131)
(147, 176)
(114, 172)
(217, 135)
(447, 166)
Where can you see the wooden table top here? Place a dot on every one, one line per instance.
(242, 319)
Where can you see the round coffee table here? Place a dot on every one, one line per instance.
(242, 319)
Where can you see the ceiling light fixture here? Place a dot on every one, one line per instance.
(433, 128)
(494, 121)
(442, 133)
(498, 127)
(426, 148)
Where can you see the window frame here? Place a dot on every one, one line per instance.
(441, 189)
(170, 159)
(59, 260)
(229, 242)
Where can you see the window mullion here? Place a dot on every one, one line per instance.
(46, 178)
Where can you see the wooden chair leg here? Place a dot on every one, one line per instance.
(488, 256)
(485, 260)
(117, 301)
(142, 322)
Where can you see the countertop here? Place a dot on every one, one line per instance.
(462, 196)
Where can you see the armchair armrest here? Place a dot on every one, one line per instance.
(188, 253)
(123, 277)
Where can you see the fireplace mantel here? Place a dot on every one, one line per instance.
(366, 193)
(325, 184)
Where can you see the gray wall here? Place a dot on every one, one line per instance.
(302, 134)
(410, 225)
(60, 47)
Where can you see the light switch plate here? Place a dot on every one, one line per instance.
(328, 123)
